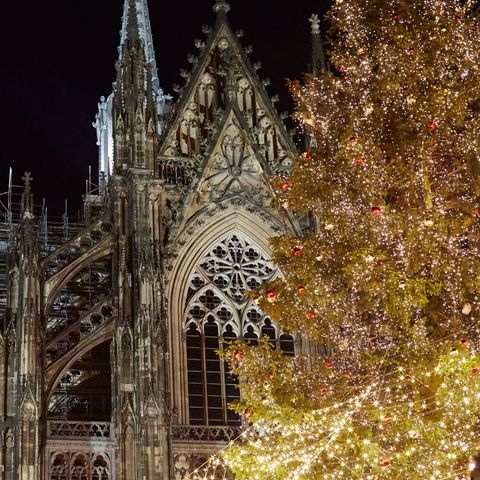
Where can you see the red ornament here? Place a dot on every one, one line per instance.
(395, 17)
(385, 462)
(238, 354)
(285, 186)
(432, 126)
(475, 370)
(477, 212)
(376, 211)
(341, 69)
(297, 250)
(410, 51)
(359, 161)
(293, 85)
(301, 289)
(388, 419)
(270, 294)
(329, 364)
(308, 156)
(248, 413)
(353, 140)
(458, 19)
(310, 314)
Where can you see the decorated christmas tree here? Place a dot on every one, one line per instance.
(384, 295)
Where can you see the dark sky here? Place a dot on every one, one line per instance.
(58, 58)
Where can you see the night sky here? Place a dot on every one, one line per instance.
(59, 56)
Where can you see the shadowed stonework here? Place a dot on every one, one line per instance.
(111, 320)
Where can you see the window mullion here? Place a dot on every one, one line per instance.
(204, 379)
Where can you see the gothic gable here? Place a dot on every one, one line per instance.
(233, 171)
(223, 75)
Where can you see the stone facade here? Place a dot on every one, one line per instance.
(110, 325)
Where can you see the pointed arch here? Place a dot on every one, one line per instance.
(228, 255)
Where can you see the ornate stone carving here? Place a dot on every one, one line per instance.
(205, 434)
(80, 464)
(69, 429)
(234, 171)
(182, 466)
(234, 265)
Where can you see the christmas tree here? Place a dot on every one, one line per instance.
(384, 296)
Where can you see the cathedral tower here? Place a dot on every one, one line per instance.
(110, 331)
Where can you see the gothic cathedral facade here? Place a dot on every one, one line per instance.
(110, 325)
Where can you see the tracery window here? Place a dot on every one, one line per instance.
(79, 465)
(217, 309)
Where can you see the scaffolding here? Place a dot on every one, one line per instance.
(51, 231)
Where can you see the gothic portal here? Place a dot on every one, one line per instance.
(110, 324)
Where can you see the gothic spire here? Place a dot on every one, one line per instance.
(318, 54)
(136, 25)
(132, 22)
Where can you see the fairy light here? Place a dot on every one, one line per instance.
(387, 288)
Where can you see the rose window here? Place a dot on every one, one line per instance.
(233, 266)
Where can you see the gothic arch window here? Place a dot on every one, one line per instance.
(79, 465)
(59, 466)
(206, 97)
(217, 310)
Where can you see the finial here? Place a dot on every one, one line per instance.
(27, 180)
(27, 196)
(315, 22)
(221, 6)
(318, 54)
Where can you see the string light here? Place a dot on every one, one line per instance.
(389, 297)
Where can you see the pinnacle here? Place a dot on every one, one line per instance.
(315, 23)
(221, 6)
(318, 55)
(132, 22)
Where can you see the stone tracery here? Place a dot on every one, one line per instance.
(217, 308)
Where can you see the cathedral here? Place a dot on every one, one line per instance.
(110, 324)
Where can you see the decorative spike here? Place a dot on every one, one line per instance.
(200, 44)
(266, 82)
(27, 195)
(221, 6)
(257, 66)
(275, 99)
(318, 54)
(239, 33)
(248, 49)
(206, 30)
(192, 59)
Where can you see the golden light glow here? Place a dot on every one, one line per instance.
(388, 309)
